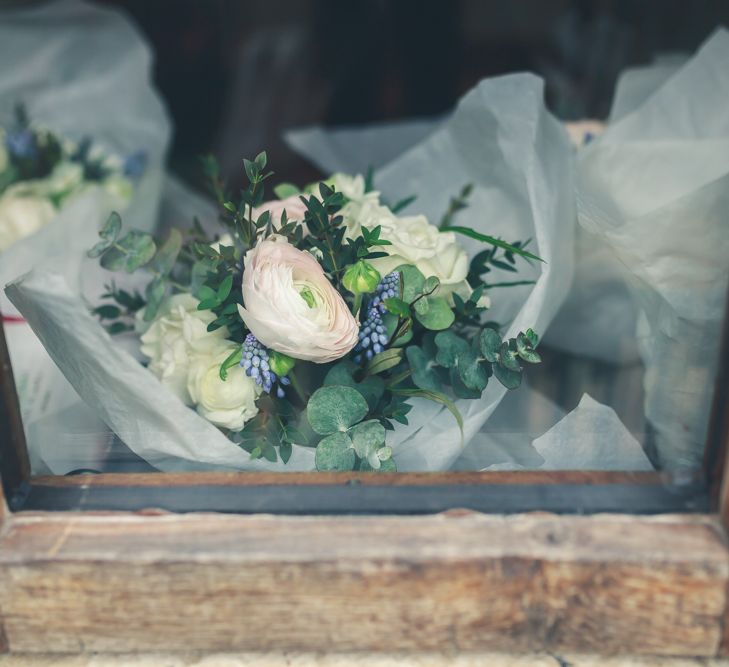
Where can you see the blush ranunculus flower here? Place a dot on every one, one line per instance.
(294, 207)
(290, 305)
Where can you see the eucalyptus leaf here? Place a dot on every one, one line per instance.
(438, 316)
(343, 373)
(412, 281)
(424, 374)
(449, 346)
(459, 388)
(335, 452)
(397, 306)
(155, 293)
(390, 321)
(335, 408)
(166, 256)
(490, 343)
(510, 379)
(508, 358)
(135, 249)
(525, 351)
(367, 437)
(108, 233)
(385, 466)
(471, 370)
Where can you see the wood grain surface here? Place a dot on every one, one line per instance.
(462, 582)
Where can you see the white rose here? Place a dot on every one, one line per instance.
(4, 159)
(290, 305)
(22, 215)
(176, 335)
(415, 241)
(228, 403)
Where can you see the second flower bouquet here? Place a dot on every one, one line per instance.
(316, 317)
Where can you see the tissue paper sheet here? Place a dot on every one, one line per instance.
(655, 187)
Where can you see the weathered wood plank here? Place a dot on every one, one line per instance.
(535, 582)
(334, 478)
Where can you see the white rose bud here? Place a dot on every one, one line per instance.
(228, 403)
(175, 337)
(290, 305)
(22, 215)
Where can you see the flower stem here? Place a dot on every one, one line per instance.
(297, 386)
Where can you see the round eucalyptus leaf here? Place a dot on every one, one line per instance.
(135, 249)
(390, 322)
(367, 437)
(412, 282)
(385, 466)
(471, 371)
(439, 315)
(459, 388)
(449, 346)
(335, 408)
(154, 292)
(525, 350)
(166, 256)
(510, 379)
(431, 284)
(490, 342)
(374, 461)
(335, 453)
(343, 373)
(508, 358)
(384, 453)
(424, 374)
(111, 227)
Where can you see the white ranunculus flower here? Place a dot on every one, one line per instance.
(228, 403)
(175, 337)
(415, 241)
(22, 215)
(290, 305)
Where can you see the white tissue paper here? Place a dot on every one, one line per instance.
(82, 71)
(655, 187)
(503, 141)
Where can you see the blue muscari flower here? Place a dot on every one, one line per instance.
(135, 164)
(372, 335)
(388, 288)
(255, 361)
(21, 144)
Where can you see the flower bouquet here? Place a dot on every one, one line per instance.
(316, 317)
(41, 172)
(389, 267)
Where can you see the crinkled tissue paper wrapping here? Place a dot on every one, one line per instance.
(655, 189)
(80, 70)
(502, 140)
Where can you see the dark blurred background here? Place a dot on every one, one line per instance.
(235, 74)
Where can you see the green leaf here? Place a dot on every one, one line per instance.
(367, 437)
(285, 449)
(107, 312)
(384, 361)
(424, 374)
(471, 371)
(510, 379)
(397, 307)
(335, 408)
(224, 288)
(459, 388)
(525, 351)
(335, 452)
(154, 292)
(508, 358)
(286, 190)
(449, 347)
(385, 466)
(467, 231)
(412, 281)
(371, 387)
(390, 321)
(532, 338)
(261, 160)
(129, 253)
(439, 315)
(232, 360)
(436, 397)
(205, 292)
(431, 284)
(108, 233)
(166, 256)
(421, 306)
(490, 342)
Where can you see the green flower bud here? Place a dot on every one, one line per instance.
(280, 363)
(361, 278)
